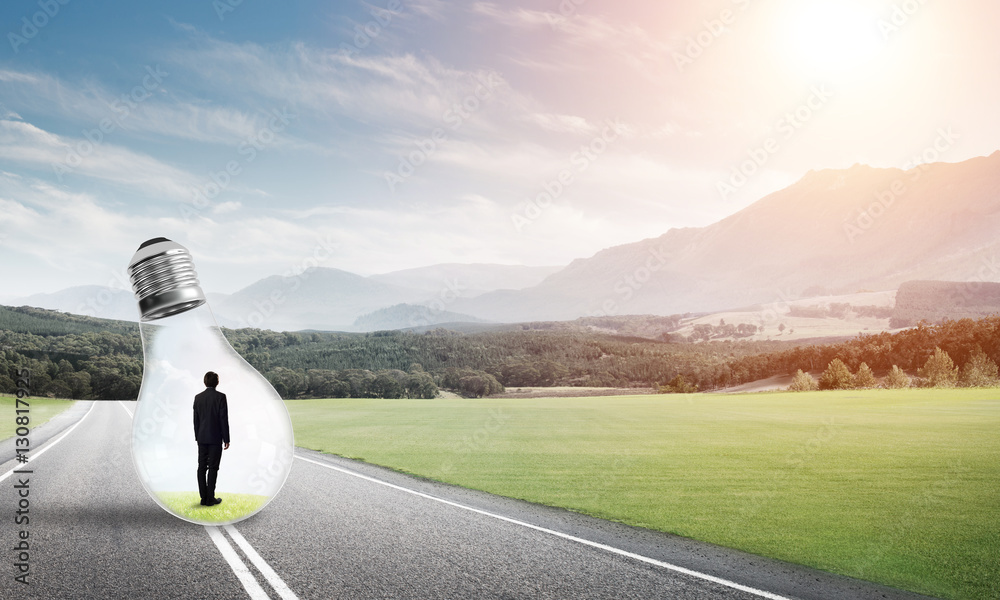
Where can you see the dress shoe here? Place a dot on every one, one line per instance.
(216, 501)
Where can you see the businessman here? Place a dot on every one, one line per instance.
(211, 431)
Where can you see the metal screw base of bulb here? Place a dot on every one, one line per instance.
(164, 279)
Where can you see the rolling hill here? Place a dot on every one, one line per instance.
(841, 231)
(319, 298)
(405, 316)
(322, 298)
(468, 279)
(934, 301)
(88, 300)
(832, 233)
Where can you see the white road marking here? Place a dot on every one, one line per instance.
(32, 455)
(265, 569)
(125, 408)
(239, 567)
(241, 570)
(612, 549)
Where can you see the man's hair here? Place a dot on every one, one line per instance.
(211, 379)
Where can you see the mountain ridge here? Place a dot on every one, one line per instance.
(839, 230)
(846, 230)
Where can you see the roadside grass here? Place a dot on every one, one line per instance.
(901, 487)
(41, 410)
(233, 507)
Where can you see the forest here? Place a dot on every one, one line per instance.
(909, 350)
(83, 357)
(87, 358)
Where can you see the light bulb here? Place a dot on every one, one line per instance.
(181, 342)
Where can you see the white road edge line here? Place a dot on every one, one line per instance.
(239, 568)
(35, 454)
(121, 403)
(612, 549)
(265, 569)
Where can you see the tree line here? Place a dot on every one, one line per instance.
(968, 344)
(938, 371)
(82, 357)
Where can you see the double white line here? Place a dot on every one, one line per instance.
(240, 569)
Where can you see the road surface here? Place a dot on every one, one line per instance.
(343, 529)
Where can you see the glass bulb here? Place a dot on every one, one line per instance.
(181, 342)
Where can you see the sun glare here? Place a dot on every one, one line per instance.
(829, 38)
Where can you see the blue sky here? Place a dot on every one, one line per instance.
(396, 134)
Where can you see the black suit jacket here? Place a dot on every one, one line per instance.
(211, 418)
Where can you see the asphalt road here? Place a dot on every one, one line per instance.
(343, 529)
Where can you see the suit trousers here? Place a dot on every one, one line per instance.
(209, 456)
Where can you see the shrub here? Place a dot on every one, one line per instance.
(678, 385)
(896, 379)
(940, 370)
(980, 371)
(803, 382)
(865, 379)
(836, 377)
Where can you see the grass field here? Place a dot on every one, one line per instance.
(900, 487)
(233, 507)
(42, 409)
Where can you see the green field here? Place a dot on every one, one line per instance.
(900, 487)
(42, 409)
(233, 507)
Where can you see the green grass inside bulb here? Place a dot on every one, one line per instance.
(234, 506)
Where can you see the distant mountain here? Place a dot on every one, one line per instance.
(841, 230)
(468, 280)
(88, 300)
(100, 301)
(649, 327)
(934, 301)
(405, 316)
(319, 298)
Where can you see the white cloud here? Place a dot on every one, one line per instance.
(398, 92)
(226, 207)
(364, 106)
(579, 28)
(17, 77)
(145, 107)
(477, 202)
(578, 35)
(517, 17)
(563, 123)
(427, 8)
(68, 234)
(27, 144)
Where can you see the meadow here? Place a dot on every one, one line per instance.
(188, 506)
(900, 487)
(41, 410)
